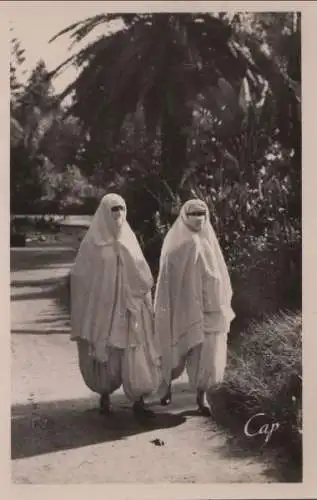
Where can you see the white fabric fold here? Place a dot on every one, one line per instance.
(110, 281)
(193, 291)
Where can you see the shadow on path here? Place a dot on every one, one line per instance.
(34, 285)
(51, 310)
(35, 259)
(39, 428)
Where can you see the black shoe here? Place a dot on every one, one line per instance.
(141, 412)
(167, 399)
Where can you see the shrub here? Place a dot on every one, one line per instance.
(264, 374)
(266, 278)
(261, 242)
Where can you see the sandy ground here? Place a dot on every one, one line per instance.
(58, 436)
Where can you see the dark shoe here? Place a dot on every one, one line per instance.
(167, 399)
(140, 411)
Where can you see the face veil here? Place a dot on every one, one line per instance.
(109, 220)
(194, 214)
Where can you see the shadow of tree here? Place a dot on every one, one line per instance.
(61, 425)
(37, 283)
(40, 258)
(55, 318)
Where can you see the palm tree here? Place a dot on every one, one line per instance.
(155, 64)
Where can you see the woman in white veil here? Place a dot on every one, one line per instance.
(111, 309)
(192, 304)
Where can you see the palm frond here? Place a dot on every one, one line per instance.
(92, 23)
(116, 93)
(94, 56)
(66, 30)
(83, 55)
(62, 66)
(159, 60)
(82, 28)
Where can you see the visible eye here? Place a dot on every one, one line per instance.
(117, 208)
(196, 214)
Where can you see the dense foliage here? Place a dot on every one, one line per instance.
(167, 106)
(170, 106)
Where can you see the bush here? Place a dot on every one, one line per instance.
(265, 279)
(261, 242)
(264, 374)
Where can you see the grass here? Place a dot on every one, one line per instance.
(264, 374)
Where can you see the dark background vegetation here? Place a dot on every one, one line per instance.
(171, 106)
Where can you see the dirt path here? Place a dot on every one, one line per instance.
(58, 436)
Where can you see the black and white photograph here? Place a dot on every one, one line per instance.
(155, 245)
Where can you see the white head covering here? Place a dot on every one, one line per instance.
(108, 273)
(104, 231)
(205, 241)
(193, 282)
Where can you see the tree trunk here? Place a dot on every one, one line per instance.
(173, 162)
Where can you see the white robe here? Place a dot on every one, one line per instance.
(192, 305)
(111, 306)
